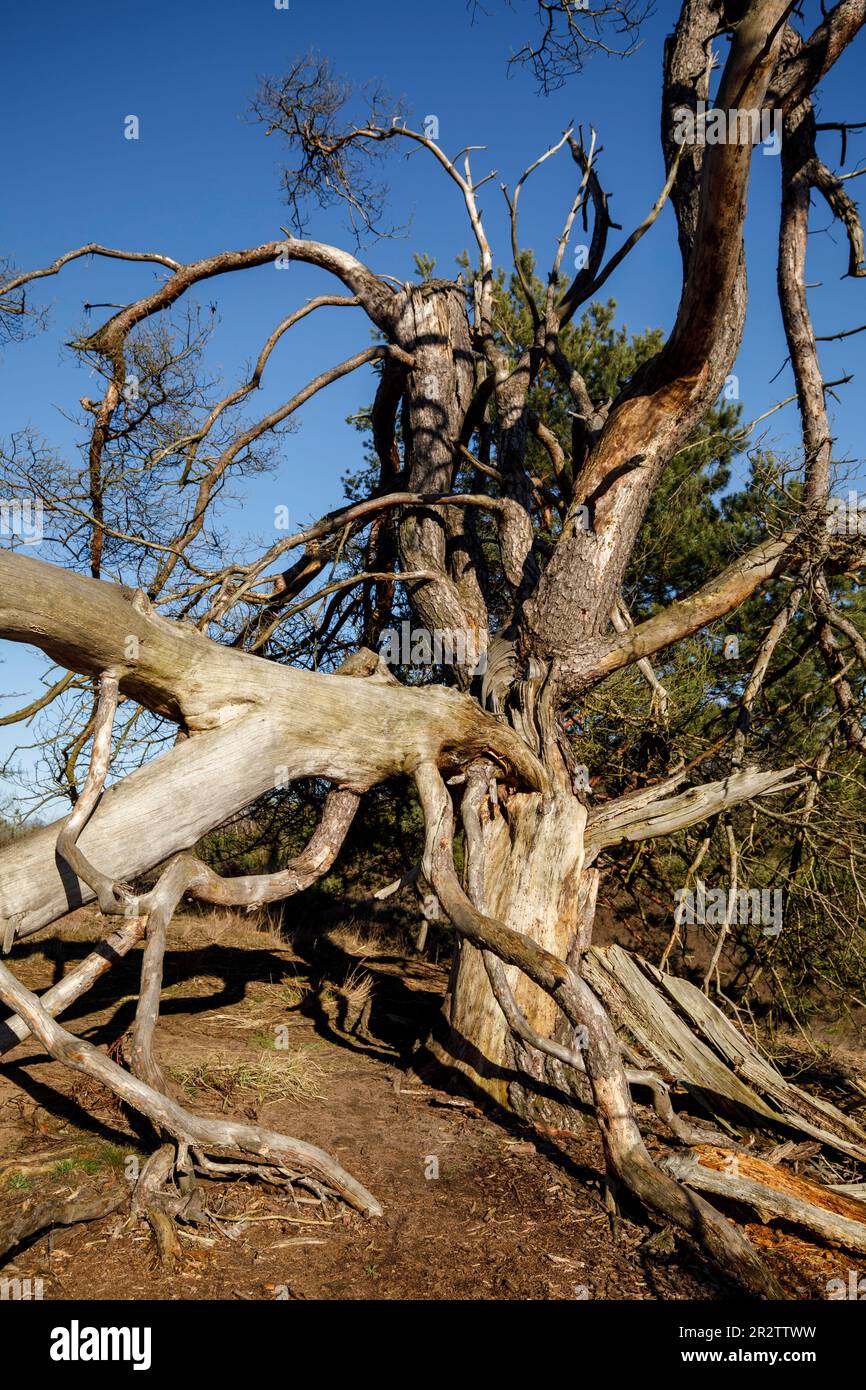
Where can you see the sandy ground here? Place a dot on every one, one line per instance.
(474, 1207)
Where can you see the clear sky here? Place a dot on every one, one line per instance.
(202, 178)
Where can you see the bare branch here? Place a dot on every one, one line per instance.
(616, 823)
(683, 617)
(623, 622)
(570, 31)
(92, 249)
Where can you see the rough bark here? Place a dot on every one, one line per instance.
(433, 328)
(519, 990)
(531, 859)
(626, 1155)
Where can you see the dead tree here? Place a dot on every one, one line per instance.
(521, 1015)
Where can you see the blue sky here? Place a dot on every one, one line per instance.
(202, 178)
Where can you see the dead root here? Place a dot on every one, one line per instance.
(56, 1210)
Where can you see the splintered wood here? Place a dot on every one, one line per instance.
(772, 1191)
(692, 1042)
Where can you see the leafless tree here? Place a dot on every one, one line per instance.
(451, 408)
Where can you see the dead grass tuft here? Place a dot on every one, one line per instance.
(291, 1074)
(357, 988)
(358, 939)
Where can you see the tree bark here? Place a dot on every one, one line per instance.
(532, 851)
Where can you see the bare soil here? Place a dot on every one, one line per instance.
(475, 1207)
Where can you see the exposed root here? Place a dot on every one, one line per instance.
(153, 1191)
(77, 981)
(146, 1090)
(165, 1113)
(167, 1243)
(626, 1156)
(599, 1056)
(143, 1061)
(27, 1221)
(686, 1131)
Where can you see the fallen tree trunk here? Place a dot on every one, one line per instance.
(773, 1192)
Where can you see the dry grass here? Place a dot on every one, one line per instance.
(270, 935)
(290, 1074)
(292, 993)
(358, 939)
(347, 1005)
(283, 995)
(357, 988)
(216, 922)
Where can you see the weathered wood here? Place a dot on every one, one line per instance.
(165, 1113)
(531, 862)
(643, 816)
(256, 723)
(357, 734)
(626, 1155)
(773, 1192)
(57, 1210)
(810, 1113)
(691, 1041)
(857, 1190)
(76, 981)
(457, 381)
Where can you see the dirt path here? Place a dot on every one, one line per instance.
(473, 1208)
